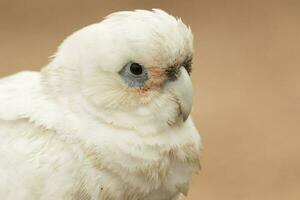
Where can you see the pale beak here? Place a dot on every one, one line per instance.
(182, 88)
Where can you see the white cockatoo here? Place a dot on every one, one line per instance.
(107, 118)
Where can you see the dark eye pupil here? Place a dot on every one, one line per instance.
(136, 69)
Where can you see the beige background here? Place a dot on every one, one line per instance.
(246, 79)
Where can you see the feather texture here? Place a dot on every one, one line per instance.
(61, 139)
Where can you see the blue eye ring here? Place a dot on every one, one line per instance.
(134, 74)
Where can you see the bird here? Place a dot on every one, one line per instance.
(108, 118)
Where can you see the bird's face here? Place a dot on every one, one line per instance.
(134, 68)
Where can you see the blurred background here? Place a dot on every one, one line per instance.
(246, 79)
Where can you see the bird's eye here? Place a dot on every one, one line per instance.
(134, 74)
(136, 69)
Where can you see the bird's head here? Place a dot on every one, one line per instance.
(131, 70)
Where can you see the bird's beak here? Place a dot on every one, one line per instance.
(182, 88)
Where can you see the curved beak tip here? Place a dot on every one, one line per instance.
(185, 117)
(186, 109)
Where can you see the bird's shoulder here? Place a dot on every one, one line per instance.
(17, 93)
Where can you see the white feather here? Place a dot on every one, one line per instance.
(75, 131)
